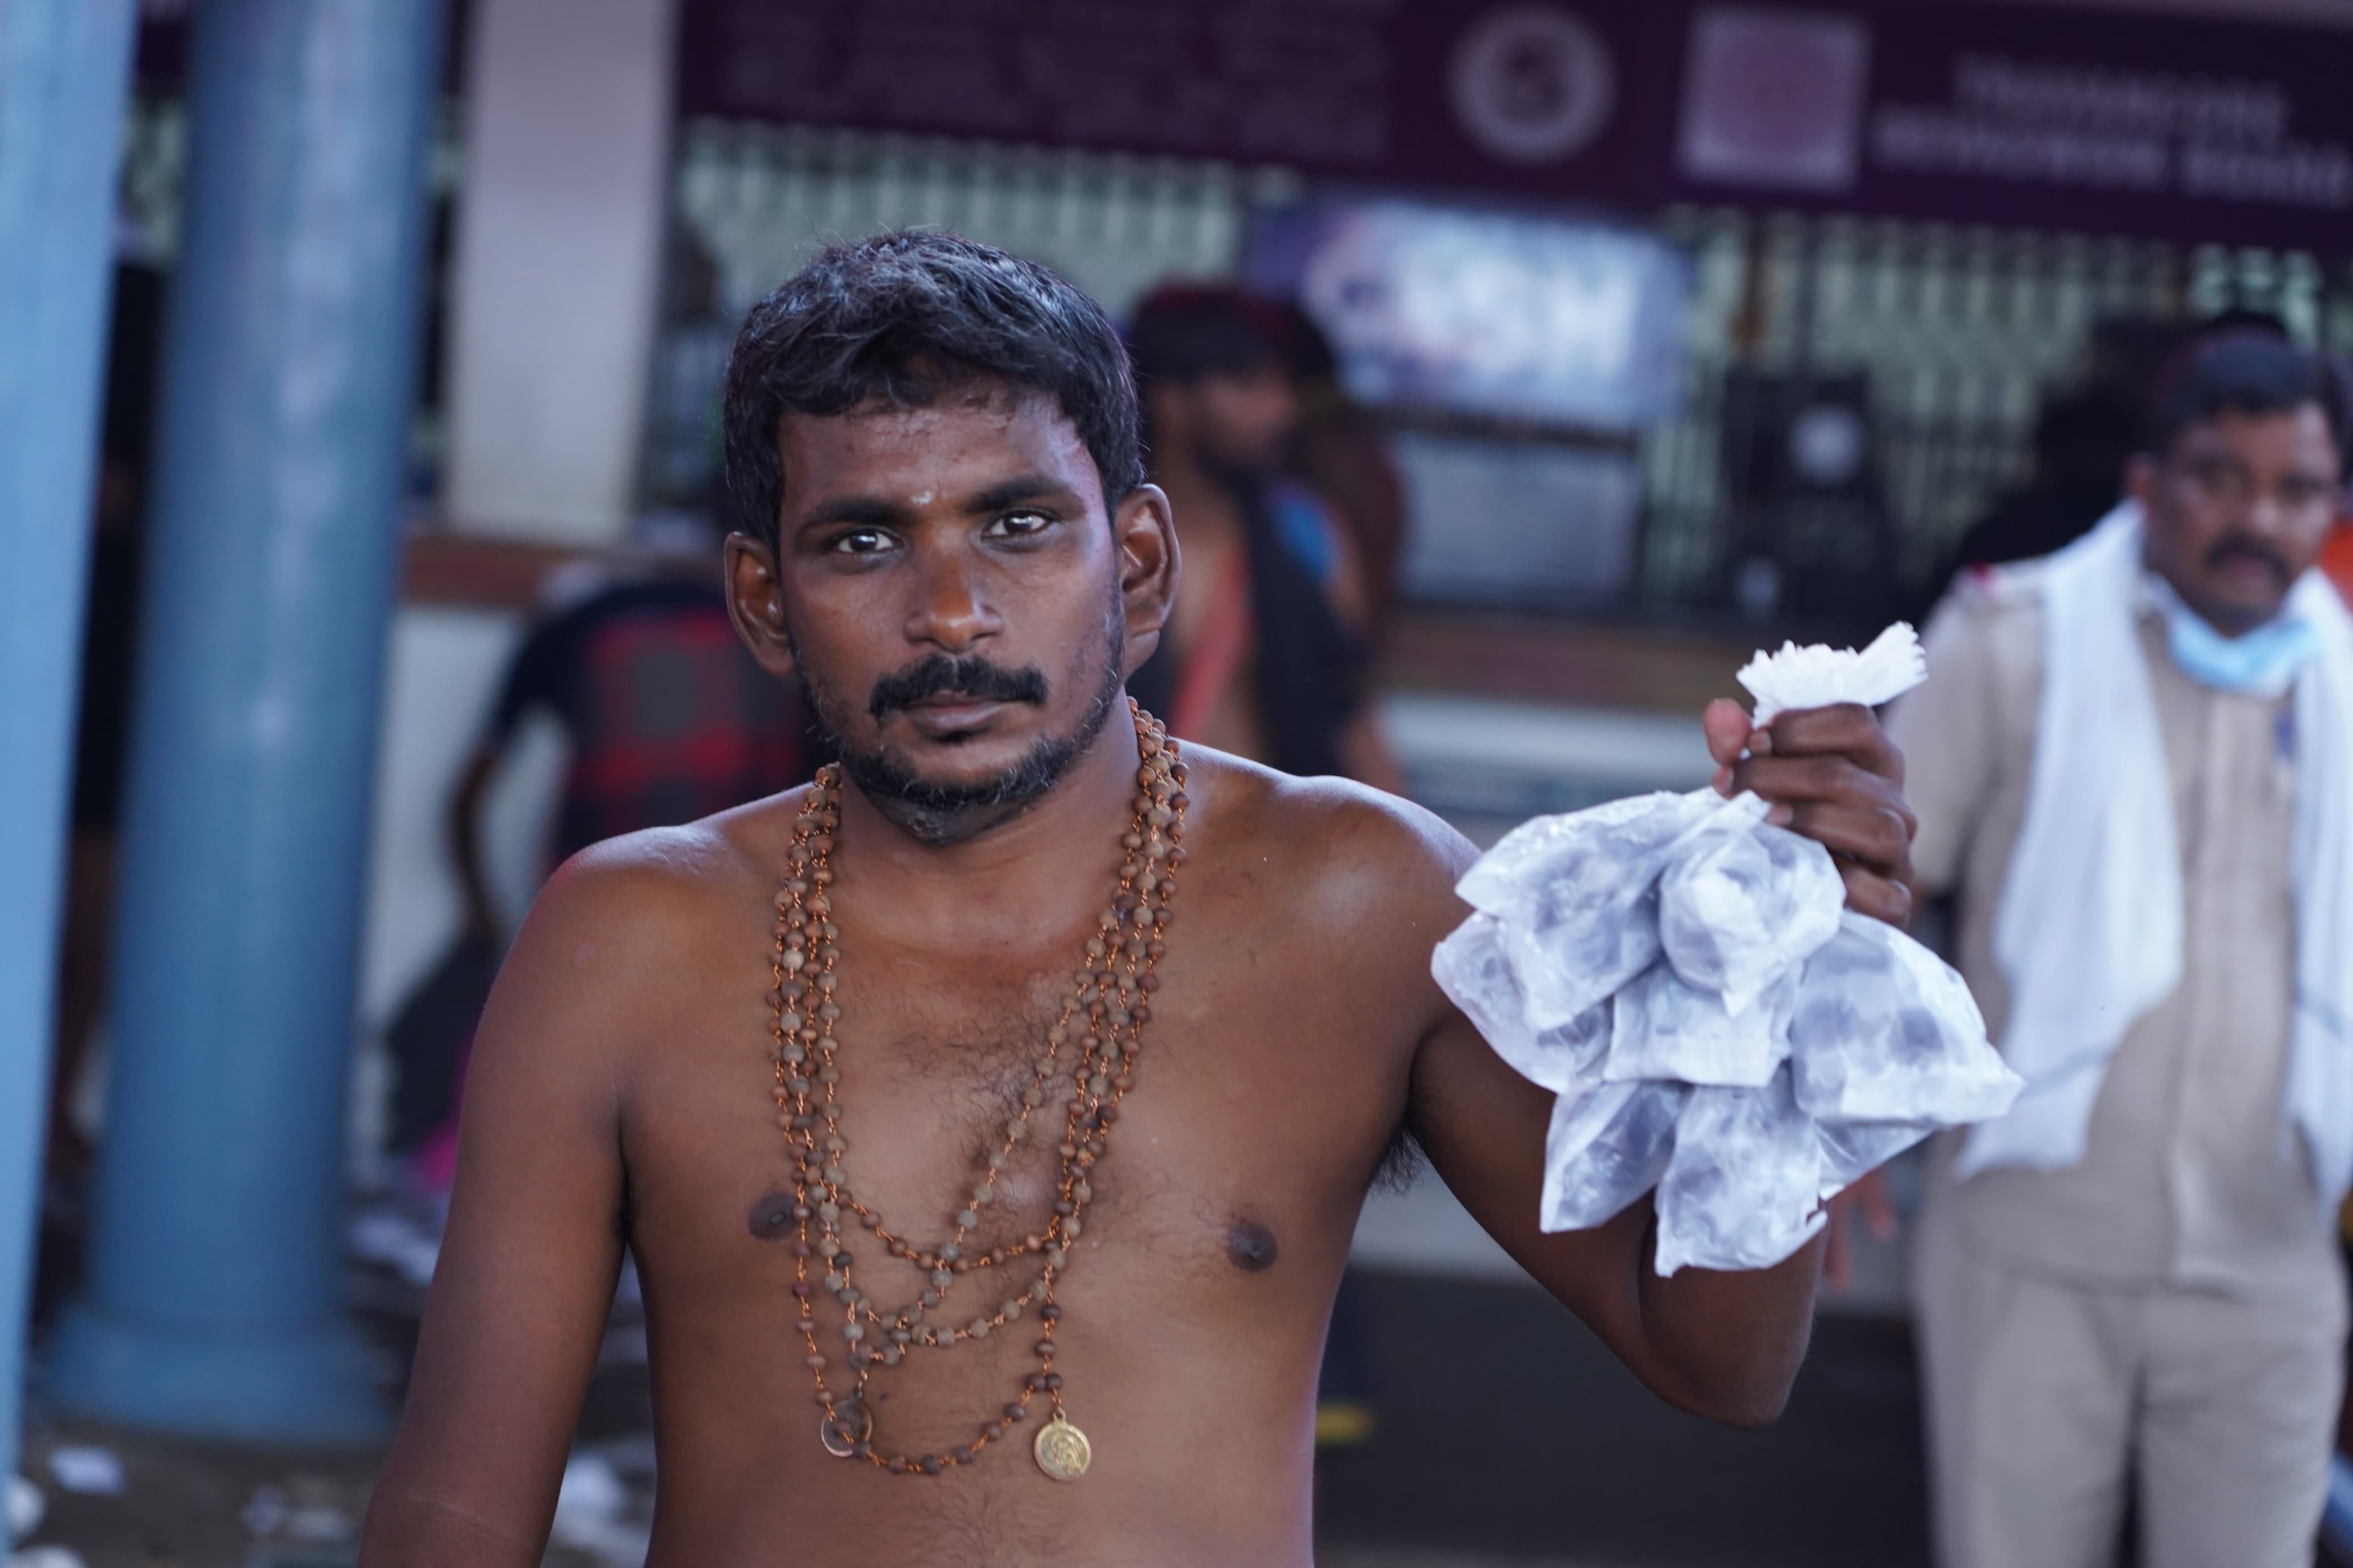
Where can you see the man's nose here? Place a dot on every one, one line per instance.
(2266, 515)
(951, 611)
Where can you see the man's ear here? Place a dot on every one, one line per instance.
(1144, 530)
(755, 602)
(2140, 480)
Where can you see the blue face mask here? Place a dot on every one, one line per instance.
(2263, 663)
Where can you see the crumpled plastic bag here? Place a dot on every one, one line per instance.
(1744, 906)
(1471, 968)
(1606, 1147)
(1885, 1031)
(1820, 677)
(1744, 1187)
(1662, 1028)
(1713, 1023)
(1577, 896)
(1851, 1151)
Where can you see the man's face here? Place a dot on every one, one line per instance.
(2238, 509)
(952, 597)
(1240, 419)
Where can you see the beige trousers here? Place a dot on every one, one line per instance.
(2046, 1398)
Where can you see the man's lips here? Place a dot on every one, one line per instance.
(2243, 568)
(948, 714)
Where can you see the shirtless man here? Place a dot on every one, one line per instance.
(954, 550)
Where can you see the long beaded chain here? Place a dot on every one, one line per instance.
(1105, 1012)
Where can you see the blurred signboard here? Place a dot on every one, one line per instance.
(2026, 116)
(1530, 525)
(2040, 116)
(1517, 95)
(1522, 317)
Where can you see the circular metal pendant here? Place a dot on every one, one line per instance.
(1063, 1450)
(849, 1424)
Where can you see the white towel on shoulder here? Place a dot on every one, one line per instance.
(2089, 930)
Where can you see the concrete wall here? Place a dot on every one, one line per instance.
(558, 250)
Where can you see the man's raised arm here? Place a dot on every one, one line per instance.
(533, 1245)
(1723, 1345)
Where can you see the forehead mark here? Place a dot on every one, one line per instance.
(922, 497)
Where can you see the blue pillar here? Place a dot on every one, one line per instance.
(64, 68)
(213, 1302)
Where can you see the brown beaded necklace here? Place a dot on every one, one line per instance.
(1106, 1011)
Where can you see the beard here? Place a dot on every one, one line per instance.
(938, 814)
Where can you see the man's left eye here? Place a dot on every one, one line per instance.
(1019, 525)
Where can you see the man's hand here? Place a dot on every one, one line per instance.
(1833, 774)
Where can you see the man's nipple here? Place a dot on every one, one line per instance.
(772, 1218)
(1250, 1246)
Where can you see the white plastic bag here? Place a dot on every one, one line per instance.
(1886, 1031)
(1661, 1028)
(1606, 1147)
(1851, 1151)
(1744, 906)
(1744, 1188)
(1821, 677)
(1713, 1024)
(1577, 898)
(1470, 968)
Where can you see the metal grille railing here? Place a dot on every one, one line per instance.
(759, 198)
(1961, 331)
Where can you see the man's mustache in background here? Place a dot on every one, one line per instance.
(940, 675)
(2251, 549)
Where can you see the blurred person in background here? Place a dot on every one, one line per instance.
(2133, 761)
(2083, 439)
(1266, 654)
(1269, 652)
(1339, 450)
(667, 718)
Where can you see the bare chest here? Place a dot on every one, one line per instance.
(1249, 1126)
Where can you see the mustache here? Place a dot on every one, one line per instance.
(2251, 549)
(941, 676)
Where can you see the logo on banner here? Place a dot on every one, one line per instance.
(1532, 84)
(1773, 98)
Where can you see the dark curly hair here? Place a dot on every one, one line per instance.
(901, 320)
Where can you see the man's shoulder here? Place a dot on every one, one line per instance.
(2005, 591)
(662, 883)
(1990, 614)
(1329, 838)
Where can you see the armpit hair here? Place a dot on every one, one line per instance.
(1402, 1162)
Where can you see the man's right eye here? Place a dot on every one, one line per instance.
(863, 542)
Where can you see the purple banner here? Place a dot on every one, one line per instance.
(1539, 98)
(2095, 121)
(2026, 116)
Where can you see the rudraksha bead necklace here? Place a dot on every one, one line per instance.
(1104, 1015)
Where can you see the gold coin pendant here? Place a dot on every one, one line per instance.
(849, 1424)
(1063, 1450)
